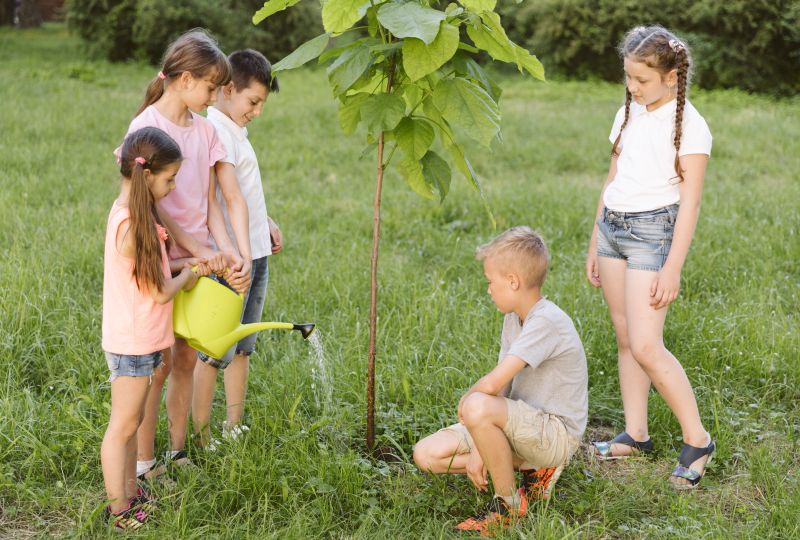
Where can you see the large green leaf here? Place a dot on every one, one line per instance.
(411, 169)
(414, 136)
(466, 105)
(464, 65)
(340, 15)
(528, 62)
(479, 6)
(463, 164)
(420, 59)
(350, 112)
(270, 8)
(382, 112)
(305, 52)
(437, 173)
(410, 19)
(490, 36)
(348, 68)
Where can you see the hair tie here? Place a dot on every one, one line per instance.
(676, 45)
(161, 75)
(140, 160)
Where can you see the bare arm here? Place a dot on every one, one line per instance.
(666, 285)
(592, 273)
(237, 207)
(497, 380)
(216, 221)
(126, 245)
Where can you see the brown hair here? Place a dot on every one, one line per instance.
(249, 65)
(197, 52)
(150, 149)
(522, 249)
(661, 50)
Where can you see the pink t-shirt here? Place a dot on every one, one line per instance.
(187, 204)
(133, 323)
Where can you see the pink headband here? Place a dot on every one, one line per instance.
(161, 75)
(140, 160)
(676, 45)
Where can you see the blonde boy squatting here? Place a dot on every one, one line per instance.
(530, 411)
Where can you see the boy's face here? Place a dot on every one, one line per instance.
(503, 284)
(244, 105)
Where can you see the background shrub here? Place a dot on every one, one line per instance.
(748, 44)
(142, 29)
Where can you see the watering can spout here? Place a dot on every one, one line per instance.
(306, 329)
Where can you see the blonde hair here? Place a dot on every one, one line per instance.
(521, 249)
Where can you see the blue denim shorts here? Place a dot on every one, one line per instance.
(643, 239)
(253, 307)
(132, 365)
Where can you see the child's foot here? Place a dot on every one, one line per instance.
(127, 519)
(233, 432)
(152, 472)
(692, 465)
(143, 500)
(620, 447)
(495, 515)
(538, 484)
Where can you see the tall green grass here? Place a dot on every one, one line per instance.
(301, 472)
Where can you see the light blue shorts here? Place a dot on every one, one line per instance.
(132, 365)
(643, 239)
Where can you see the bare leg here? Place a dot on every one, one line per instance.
(236, 387)
(633, 380)
(147, 430)
(128, 395)
(485, 416)
(179, 392)
(646, 327)
(205, 379)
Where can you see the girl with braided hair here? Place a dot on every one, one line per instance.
(645, 221)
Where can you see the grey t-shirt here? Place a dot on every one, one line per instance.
(555, 379)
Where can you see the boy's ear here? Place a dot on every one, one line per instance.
(514, 281)
(227, 90)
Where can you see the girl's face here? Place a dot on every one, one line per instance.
(163, 182)
(244, 105)
(647, 85)
(198, 93)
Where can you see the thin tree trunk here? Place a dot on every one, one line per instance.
(373, 304)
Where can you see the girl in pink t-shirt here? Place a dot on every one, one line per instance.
(192, 70)
(137, 309)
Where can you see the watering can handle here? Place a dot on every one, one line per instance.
(194, 269)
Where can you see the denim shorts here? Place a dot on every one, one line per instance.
(253, 307)
(132, 365)
(643, 239)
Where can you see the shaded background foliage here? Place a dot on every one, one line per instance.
(749, 44)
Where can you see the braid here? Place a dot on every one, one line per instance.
(628, 98)
(683, 71)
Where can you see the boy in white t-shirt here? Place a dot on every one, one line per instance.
(239, 102)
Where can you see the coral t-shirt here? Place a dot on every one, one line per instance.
(133, 322)
(187, 204)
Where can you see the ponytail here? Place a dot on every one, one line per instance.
(680, 103)
(628, 98)
(147, 149)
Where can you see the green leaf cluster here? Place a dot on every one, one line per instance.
(405, 73)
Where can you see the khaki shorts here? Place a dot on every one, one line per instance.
(537, 438)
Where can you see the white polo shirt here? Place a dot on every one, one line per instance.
(243, 158)
(646, 177)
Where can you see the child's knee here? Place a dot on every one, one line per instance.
(646, 352)
(475, 408)
(123, 429)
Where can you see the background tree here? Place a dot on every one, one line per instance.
(408, 77)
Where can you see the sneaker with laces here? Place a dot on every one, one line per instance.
(143, 500)
(234, 432)
(495, 515)
(129, 519)
(538, 484)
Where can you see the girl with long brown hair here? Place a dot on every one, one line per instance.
(138, 288)
(645, 222)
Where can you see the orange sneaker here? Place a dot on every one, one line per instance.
(538, 484)
(495, 515)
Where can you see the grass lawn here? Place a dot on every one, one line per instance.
(301, 472)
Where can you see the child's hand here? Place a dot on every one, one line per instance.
(476, 471)
(239, 276)
(191, 277)
(665, 287)
(592, 269)
(201, 264)
(276, 236)
(214, 260)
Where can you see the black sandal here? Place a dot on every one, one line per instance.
(604, 447)
(690, 454)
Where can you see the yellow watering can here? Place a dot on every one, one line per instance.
(209, 316)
